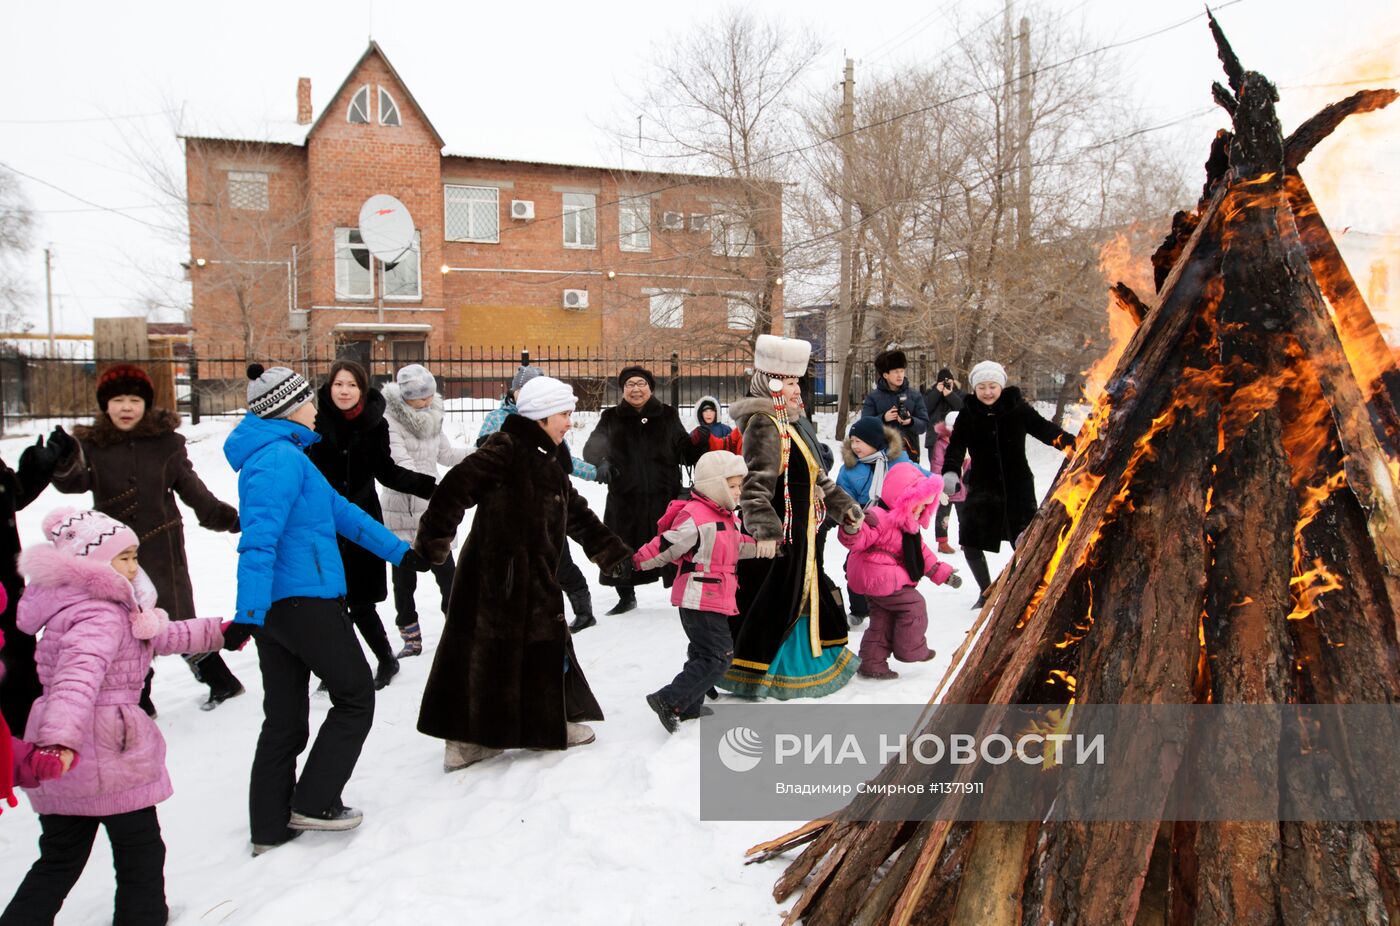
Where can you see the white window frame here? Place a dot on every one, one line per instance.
(342, 242)
(745, 302)
(675, 313)
(634, 239)
(723, 240)
(417, 256)
(398, 113)
(248, 177)
(496, 196)
(573, 213)
(364, 88)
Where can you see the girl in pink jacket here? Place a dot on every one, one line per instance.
(101, 629)
(888, 557)
(702, 535)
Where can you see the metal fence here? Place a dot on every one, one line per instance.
(213, 381)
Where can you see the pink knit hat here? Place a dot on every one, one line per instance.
(89, 534)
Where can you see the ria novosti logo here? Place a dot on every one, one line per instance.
(740, 749)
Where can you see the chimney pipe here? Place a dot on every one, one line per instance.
(303, 101)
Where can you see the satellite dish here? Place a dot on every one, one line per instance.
(386, 227)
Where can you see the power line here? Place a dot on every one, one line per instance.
(75, 121)
(97, 206)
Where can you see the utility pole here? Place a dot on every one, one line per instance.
(1023, 148)
(48, 292)
(844, 337)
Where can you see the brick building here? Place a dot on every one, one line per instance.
(508, 253)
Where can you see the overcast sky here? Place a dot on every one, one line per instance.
(547, 81)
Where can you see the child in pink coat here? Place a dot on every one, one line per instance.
(701, 534)
(888, 557)
(101, 629)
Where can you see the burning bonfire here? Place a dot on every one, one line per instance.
(1226, 532)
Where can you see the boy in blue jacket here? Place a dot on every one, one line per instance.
(291, 599)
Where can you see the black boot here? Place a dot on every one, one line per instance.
(582, 602)
(388, 668)
(626, 600)
(583, 622)
(668, 715)
(215, 673)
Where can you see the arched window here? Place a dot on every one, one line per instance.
(388, 111)
(358, 114)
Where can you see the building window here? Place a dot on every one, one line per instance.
(667, 309)
(403, 279)
(471, 213)
(742, 314)
(358, 112)
(580, 220)
(388, 111)
(634, 224)
(352, 276)
(731, 235)
(247, 189)
(409, 351)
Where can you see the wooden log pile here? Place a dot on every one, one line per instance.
(1227, 532)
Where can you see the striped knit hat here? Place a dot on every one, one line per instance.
(277, 392)
(91, 534)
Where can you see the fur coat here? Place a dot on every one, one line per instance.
(505, 674)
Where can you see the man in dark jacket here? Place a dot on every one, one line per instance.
(639, 447)
(942, 399)
(895, 402)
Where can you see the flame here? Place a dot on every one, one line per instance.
(1309, 586)
(1123, 258)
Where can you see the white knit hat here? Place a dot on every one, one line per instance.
(711, 471)
(415, 382)
(781, 356)
(988, 371)
(544, 396)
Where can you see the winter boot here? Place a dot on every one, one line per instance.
(214, 672)
(668, 715)
(260, 848)
(582, 603)
(458, 755)
(333, 820)
(696, 713)
(384, 674)
(981, 600)
(855, 620)
(583, 622)
(579, 734)
(412, 641)
(945, 548)
(626, 600)
(879, 672)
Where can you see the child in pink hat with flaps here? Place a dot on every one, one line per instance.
(888, 557)
(101, 629)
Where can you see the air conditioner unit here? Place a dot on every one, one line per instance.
(576, 299)
(522, 209)
(296, 320)
(698, 221)
(673, 221)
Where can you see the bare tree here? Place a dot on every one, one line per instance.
(16, 230)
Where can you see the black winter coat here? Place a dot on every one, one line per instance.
(353, 455)
(499, 677)
(882, 398)
(939, 407)
(19, 687)
(645, 449)
(1001, 496)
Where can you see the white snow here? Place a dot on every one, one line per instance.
(608, 833)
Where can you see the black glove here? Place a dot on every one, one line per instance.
(622, 570)
(235, 635)
(605, 472)
(411, 560)
(61, 444)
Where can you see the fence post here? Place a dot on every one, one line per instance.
(194, 385)
(675, 380)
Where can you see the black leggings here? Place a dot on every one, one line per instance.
(977, 562)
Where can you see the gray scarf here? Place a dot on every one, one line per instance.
(877, 478)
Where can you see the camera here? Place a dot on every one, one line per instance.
(903, 413)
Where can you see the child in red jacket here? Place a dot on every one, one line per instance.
(888, 557)
(702, 535)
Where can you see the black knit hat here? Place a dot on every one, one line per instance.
(944, 374)
(124, 379)
(629, 372)
(890, 360)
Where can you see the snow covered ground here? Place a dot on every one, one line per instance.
(608, 833)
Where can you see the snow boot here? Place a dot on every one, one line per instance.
(388, 667)
(712, 694)
(855, 620)
(222, 683)
(260, 848)
(981, 600)
(697, 712)
(582, 602)
(583, 622)
(626, 601)
(458, 755)
(945, 548)
(669, 716)
(579, 734)
(877, 672)
(412, 641)
(333, 820)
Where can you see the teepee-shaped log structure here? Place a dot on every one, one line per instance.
(1226, 532)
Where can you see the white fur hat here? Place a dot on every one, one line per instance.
(988, 371)
(781, 356)
(713, 469)
(544, 396)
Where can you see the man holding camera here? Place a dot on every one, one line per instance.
(898, 405)
(944, 397)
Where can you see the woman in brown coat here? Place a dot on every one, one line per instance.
(505, 674)
(133, 461)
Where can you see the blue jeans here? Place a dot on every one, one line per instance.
(707, 658)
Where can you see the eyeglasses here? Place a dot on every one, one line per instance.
(635, 384)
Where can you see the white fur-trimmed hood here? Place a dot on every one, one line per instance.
(45, 569)
(423, 422)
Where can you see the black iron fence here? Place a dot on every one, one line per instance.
(213, 382)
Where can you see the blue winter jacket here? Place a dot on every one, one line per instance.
(855, 480)
(497, 417)
(290, 516)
